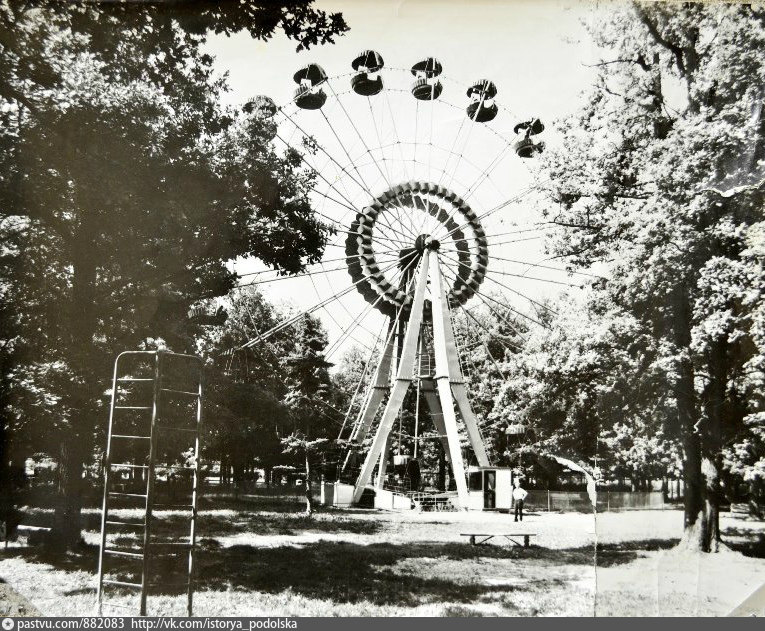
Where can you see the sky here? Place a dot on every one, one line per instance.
(536, 53)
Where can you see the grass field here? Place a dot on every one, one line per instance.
(260, 556)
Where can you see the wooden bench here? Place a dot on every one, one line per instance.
(484, 538)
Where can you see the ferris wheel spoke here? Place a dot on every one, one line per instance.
(522, 295)
(486, 173)
(331, 315)
(353, 125)
(465, 143)
(390, 227)
(430, 136)
(513, 309)
(339, 228)
(481, 297)
(529, 264)
(362, 378)
(296, 318)
(416, 125)
(324, 262)
(379, 139)
(369, 308)
(506, 343)
(396, 206)
(351, 162)
(451, 151)
(290, 277)
(536, 278)
(396, 136)
(329, 155)
(349, 204)
(513, 200)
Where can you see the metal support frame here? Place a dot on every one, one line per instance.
(441, 391)
(400, 386)
(159, 391)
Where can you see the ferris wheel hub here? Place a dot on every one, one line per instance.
(425, 242)
(449, 221)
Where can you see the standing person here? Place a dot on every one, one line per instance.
(519, 494)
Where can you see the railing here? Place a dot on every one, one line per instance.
(606, 500)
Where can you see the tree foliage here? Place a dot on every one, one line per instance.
(661, 176)
(125, 188)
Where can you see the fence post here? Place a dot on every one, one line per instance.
(548, 500)
(608, 501)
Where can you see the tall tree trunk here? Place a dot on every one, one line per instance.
(307, 485)
(67, 516)
(695, 523)
(75, 441)
(712, 460)
(8, 513)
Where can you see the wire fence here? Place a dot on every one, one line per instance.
(579, 501)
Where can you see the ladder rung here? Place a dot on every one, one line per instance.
(125, 379)
(191, 394)
(123, 553)
(129, 466)
(132, 407)
(134, 524)
(170, 544)
(108, 581)
(175, 428)
(131, 436)
(118, 494)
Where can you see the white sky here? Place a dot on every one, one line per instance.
(534, 51)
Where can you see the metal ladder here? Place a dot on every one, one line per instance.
(149, 388)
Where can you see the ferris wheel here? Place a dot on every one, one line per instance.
(422, 180)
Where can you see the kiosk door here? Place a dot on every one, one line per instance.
(489, 489)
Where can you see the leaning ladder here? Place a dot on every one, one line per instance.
(146, 368)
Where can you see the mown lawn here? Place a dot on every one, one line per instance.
(260, 556)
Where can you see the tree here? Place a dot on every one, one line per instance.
(308, 391)
(125, 189)
(244, 390)
(660, 175)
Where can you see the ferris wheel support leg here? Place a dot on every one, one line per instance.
(466, 412)
(401, 385)
(380, 387)
(442, 322)
(459, 390)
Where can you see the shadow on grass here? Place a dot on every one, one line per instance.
(217, 523)
(747, 541)
(405, 575)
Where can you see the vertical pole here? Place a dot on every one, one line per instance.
(105, 505)
(192, 533)
(548, 500)
(150, 481)
(418, 363)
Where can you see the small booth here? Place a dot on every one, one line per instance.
(490, 488)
